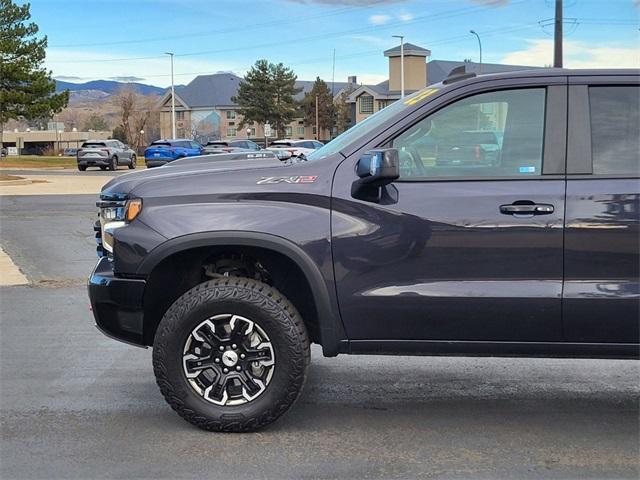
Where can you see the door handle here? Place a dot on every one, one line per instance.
(531, 208)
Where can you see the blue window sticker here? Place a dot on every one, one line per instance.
(527, 169)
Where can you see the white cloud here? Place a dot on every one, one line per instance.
(406, 17)
(87, 65)
(379, 19)
(576, 55)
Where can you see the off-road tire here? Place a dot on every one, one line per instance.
(269, 309)
(132, 163)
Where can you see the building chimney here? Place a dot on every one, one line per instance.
(352, 79)
(415, 67)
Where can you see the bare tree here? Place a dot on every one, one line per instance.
(136, 112)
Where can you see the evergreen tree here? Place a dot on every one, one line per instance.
(27, 90)
(343, 110)
(326, 108)
(266, 95)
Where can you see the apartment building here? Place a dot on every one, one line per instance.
(204, 109)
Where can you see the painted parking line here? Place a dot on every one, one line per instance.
(10, 274)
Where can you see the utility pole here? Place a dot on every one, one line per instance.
(479, 45)
(557, 36)
(401, 37)
(317, 126)
(173, 100)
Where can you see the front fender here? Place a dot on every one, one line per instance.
(321, 281)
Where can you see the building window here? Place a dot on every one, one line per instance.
(180, 133)
(232, 124)
(314, 130)
(366, 104)
(231, 114)
(301, 130)
(232, 131)
(252, 132)
(180, 115)
(287, 131)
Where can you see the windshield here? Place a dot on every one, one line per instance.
(375, 120)
(93, 144)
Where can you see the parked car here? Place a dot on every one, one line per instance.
(226, 146)
(105, 154)
(70, 152)
(3, 152)
(230, 270)
(474, 147)
(161, 152)
(295, 147)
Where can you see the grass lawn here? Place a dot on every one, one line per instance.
(36, 161)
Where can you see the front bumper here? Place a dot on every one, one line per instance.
(117, 303)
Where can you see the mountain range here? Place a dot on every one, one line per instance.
(108, 86)
(99, 89)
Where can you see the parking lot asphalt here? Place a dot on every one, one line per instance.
(75, 404)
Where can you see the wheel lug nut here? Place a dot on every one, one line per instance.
(217, 360)
(242, 355)
(226, 370)
(221, 348)
(234, 346)
(238, 368)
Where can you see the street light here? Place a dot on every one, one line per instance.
(473, 32)
(401, 37)
(248, 133)
(173, 100)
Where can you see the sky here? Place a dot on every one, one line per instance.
(126, 39)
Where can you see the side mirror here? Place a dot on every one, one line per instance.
(282, 155)
(378, 167)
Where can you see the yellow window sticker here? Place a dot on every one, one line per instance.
(420, 96)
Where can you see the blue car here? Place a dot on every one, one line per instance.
(161, 152)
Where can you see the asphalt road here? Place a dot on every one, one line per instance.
(75, 404)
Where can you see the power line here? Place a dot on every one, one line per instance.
(376, 52)
(207, 32)
(439, 15)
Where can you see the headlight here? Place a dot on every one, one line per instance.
(114, 214)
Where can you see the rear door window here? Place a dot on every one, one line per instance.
(615, 130)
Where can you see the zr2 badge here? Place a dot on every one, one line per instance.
(291, 179)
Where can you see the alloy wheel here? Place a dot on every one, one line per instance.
(228, 360)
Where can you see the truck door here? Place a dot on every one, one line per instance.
(468, 243)
(602, 235)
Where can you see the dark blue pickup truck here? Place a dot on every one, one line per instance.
(397, 237)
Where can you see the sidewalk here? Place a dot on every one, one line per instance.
(57, 185)
(10, 274)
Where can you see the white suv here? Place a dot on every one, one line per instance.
(295, 147)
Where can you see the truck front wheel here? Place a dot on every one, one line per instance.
(231, 355)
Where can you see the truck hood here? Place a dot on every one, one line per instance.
(192, 166)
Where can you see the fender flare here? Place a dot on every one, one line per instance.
(326, 306)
